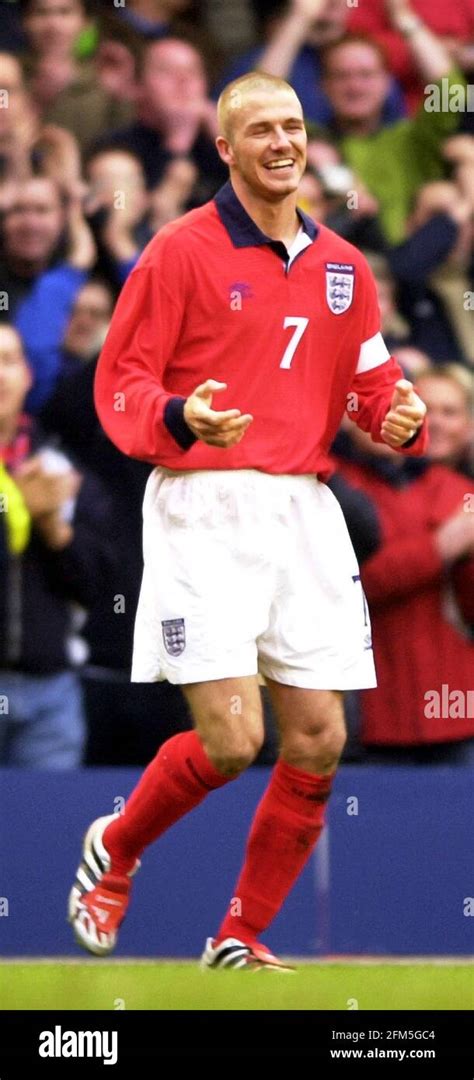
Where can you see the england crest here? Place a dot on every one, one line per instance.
(174, 636)
(339, 287)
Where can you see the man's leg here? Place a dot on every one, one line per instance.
(187, 767)
(290, 816)
(228, 736)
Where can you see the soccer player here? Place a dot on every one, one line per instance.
(238, 341)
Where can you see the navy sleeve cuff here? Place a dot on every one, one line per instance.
(173, 417)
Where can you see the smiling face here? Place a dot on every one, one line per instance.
(173, 75)
(33, 222)
(264, 142)
(450, 424)
(356, 81)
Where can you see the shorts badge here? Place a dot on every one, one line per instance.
(174, 636)
(339, 286)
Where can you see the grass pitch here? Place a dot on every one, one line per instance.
(173, 985)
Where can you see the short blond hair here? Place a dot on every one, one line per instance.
(232, 96)
(456, 373)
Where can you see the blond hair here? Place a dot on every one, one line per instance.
(457, 374)
(232, 97)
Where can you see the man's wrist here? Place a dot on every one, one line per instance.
(175, 422)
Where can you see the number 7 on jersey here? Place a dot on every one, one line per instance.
(300, 325)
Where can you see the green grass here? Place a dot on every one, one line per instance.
(181, 985)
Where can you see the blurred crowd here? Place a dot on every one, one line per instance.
(107, 127)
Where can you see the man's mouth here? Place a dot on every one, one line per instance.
(280, 163)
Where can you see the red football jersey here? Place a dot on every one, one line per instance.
(297, 342)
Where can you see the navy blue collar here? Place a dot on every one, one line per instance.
(242, 229)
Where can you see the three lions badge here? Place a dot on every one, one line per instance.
(339, 287)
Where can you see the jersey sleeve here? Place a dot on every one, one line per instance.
(130, 398)
(370, 395)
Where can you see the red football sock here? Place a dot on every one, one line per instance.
(286, 826)
(178, 778)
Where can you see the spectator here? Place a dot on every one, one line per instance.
(432, 270)
(41, 291)
(33, 226)
(57, 552)
(394, 162)
(116, 205)
(453, 23)
(420, 588)
(65, 89)
(294, 33)
(125, 29)
(174, 116)
(447, 391)
(87, 327)
(18, 128)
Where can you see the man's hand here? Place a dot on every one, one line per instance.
(455, 537)
(214, 428)
(406, 414)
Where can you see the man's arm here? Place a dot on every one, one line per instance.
(432, 59)
(289, 37)
(140, 417)
(129, 395)
(384, 404)
(381, 401)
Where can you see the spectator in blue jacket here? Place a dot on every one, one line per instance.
(48, 253)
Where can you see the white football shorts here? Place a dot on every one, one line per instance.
(246, 572)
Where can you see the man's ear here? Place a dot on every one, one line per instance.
(224, 150)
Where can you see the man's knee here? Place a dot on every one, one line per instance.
(233, 747)
(316, 746)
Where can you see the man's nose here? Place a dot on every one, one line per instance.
(280, 138)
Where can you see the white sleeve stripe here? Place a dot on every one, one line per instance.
(373, 352)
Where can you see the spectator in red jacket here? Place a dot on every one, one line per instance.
(420, 589)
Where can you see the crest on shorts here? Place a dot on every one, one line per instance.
(339, 286)
(174, 636)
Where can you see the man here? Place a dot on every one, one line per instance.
(174, 116)
(394, 161)
(247, 560)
